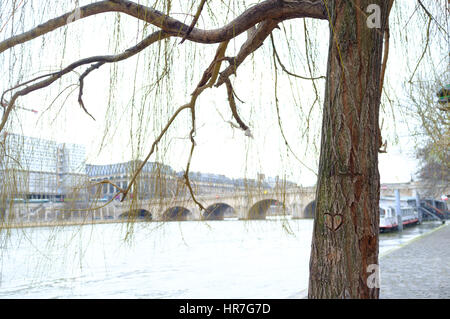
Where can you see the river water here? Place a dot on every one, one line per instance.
(215, 259)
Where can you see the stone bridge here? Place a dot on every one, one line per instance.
(245, 205)
(297, 202)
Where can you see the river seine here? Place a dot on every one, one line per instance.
(216, 259)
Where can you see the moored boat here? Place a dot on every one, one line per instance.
(388, 216)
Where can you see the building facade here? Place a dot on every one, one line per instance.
(34, 168)
(155, 179)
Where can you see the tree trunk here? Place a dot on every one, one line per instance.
(345, 238)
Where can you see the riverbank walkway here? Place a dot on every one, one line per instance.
(420, 269)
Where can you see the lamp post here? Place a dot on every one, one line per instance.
(419, 211)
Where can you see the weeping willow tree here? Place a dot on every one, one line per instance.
(165, 42)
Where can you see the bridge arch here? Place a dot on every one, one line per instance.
(176, 213)
(217, 211)
(260, 208)
(138, 213)
(310, 210)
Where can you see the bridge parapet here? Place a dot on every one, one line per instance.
(290, 201)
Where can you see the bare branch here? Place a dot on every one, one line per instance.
(232, 103)
(255, 14)
(386, 48)
(81, 80)
(152, 149)
(284, 68)
(209, 74)
(279, 118)
(424, 50)
(52, 77)
(428, 13)
(253, 42)
(186, 173)
(194, 21)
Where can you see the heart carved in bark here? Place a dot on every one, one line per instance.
(333, 221)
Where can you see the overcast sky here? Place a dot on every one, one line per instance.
(220, 148)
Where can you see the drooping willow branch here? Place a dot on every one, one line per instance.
(81, 80)
(232, 103)
(207, 80)
(427, 43)
(275, 10)
(188, 165)
(152, 149)
(254, 40)
(284, 68)
(267, 13)
(52, 77)
(125, 191)
(279, 117)
(428, 13)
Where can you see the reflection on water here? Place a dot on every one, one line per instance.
(216, 259)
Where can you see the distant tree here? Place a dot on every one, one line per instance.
(432, 130)
(434, 169)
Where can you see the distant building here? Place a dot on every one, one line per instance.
(207, 183)
(34, 168)
(155, 179)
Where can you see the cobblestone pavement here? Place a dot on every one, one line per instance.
(418, 270)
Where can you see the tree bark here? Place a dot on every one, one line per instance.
(345, 236)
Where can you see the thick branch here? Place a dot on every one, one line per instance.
(254, 41)
(269, 9)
